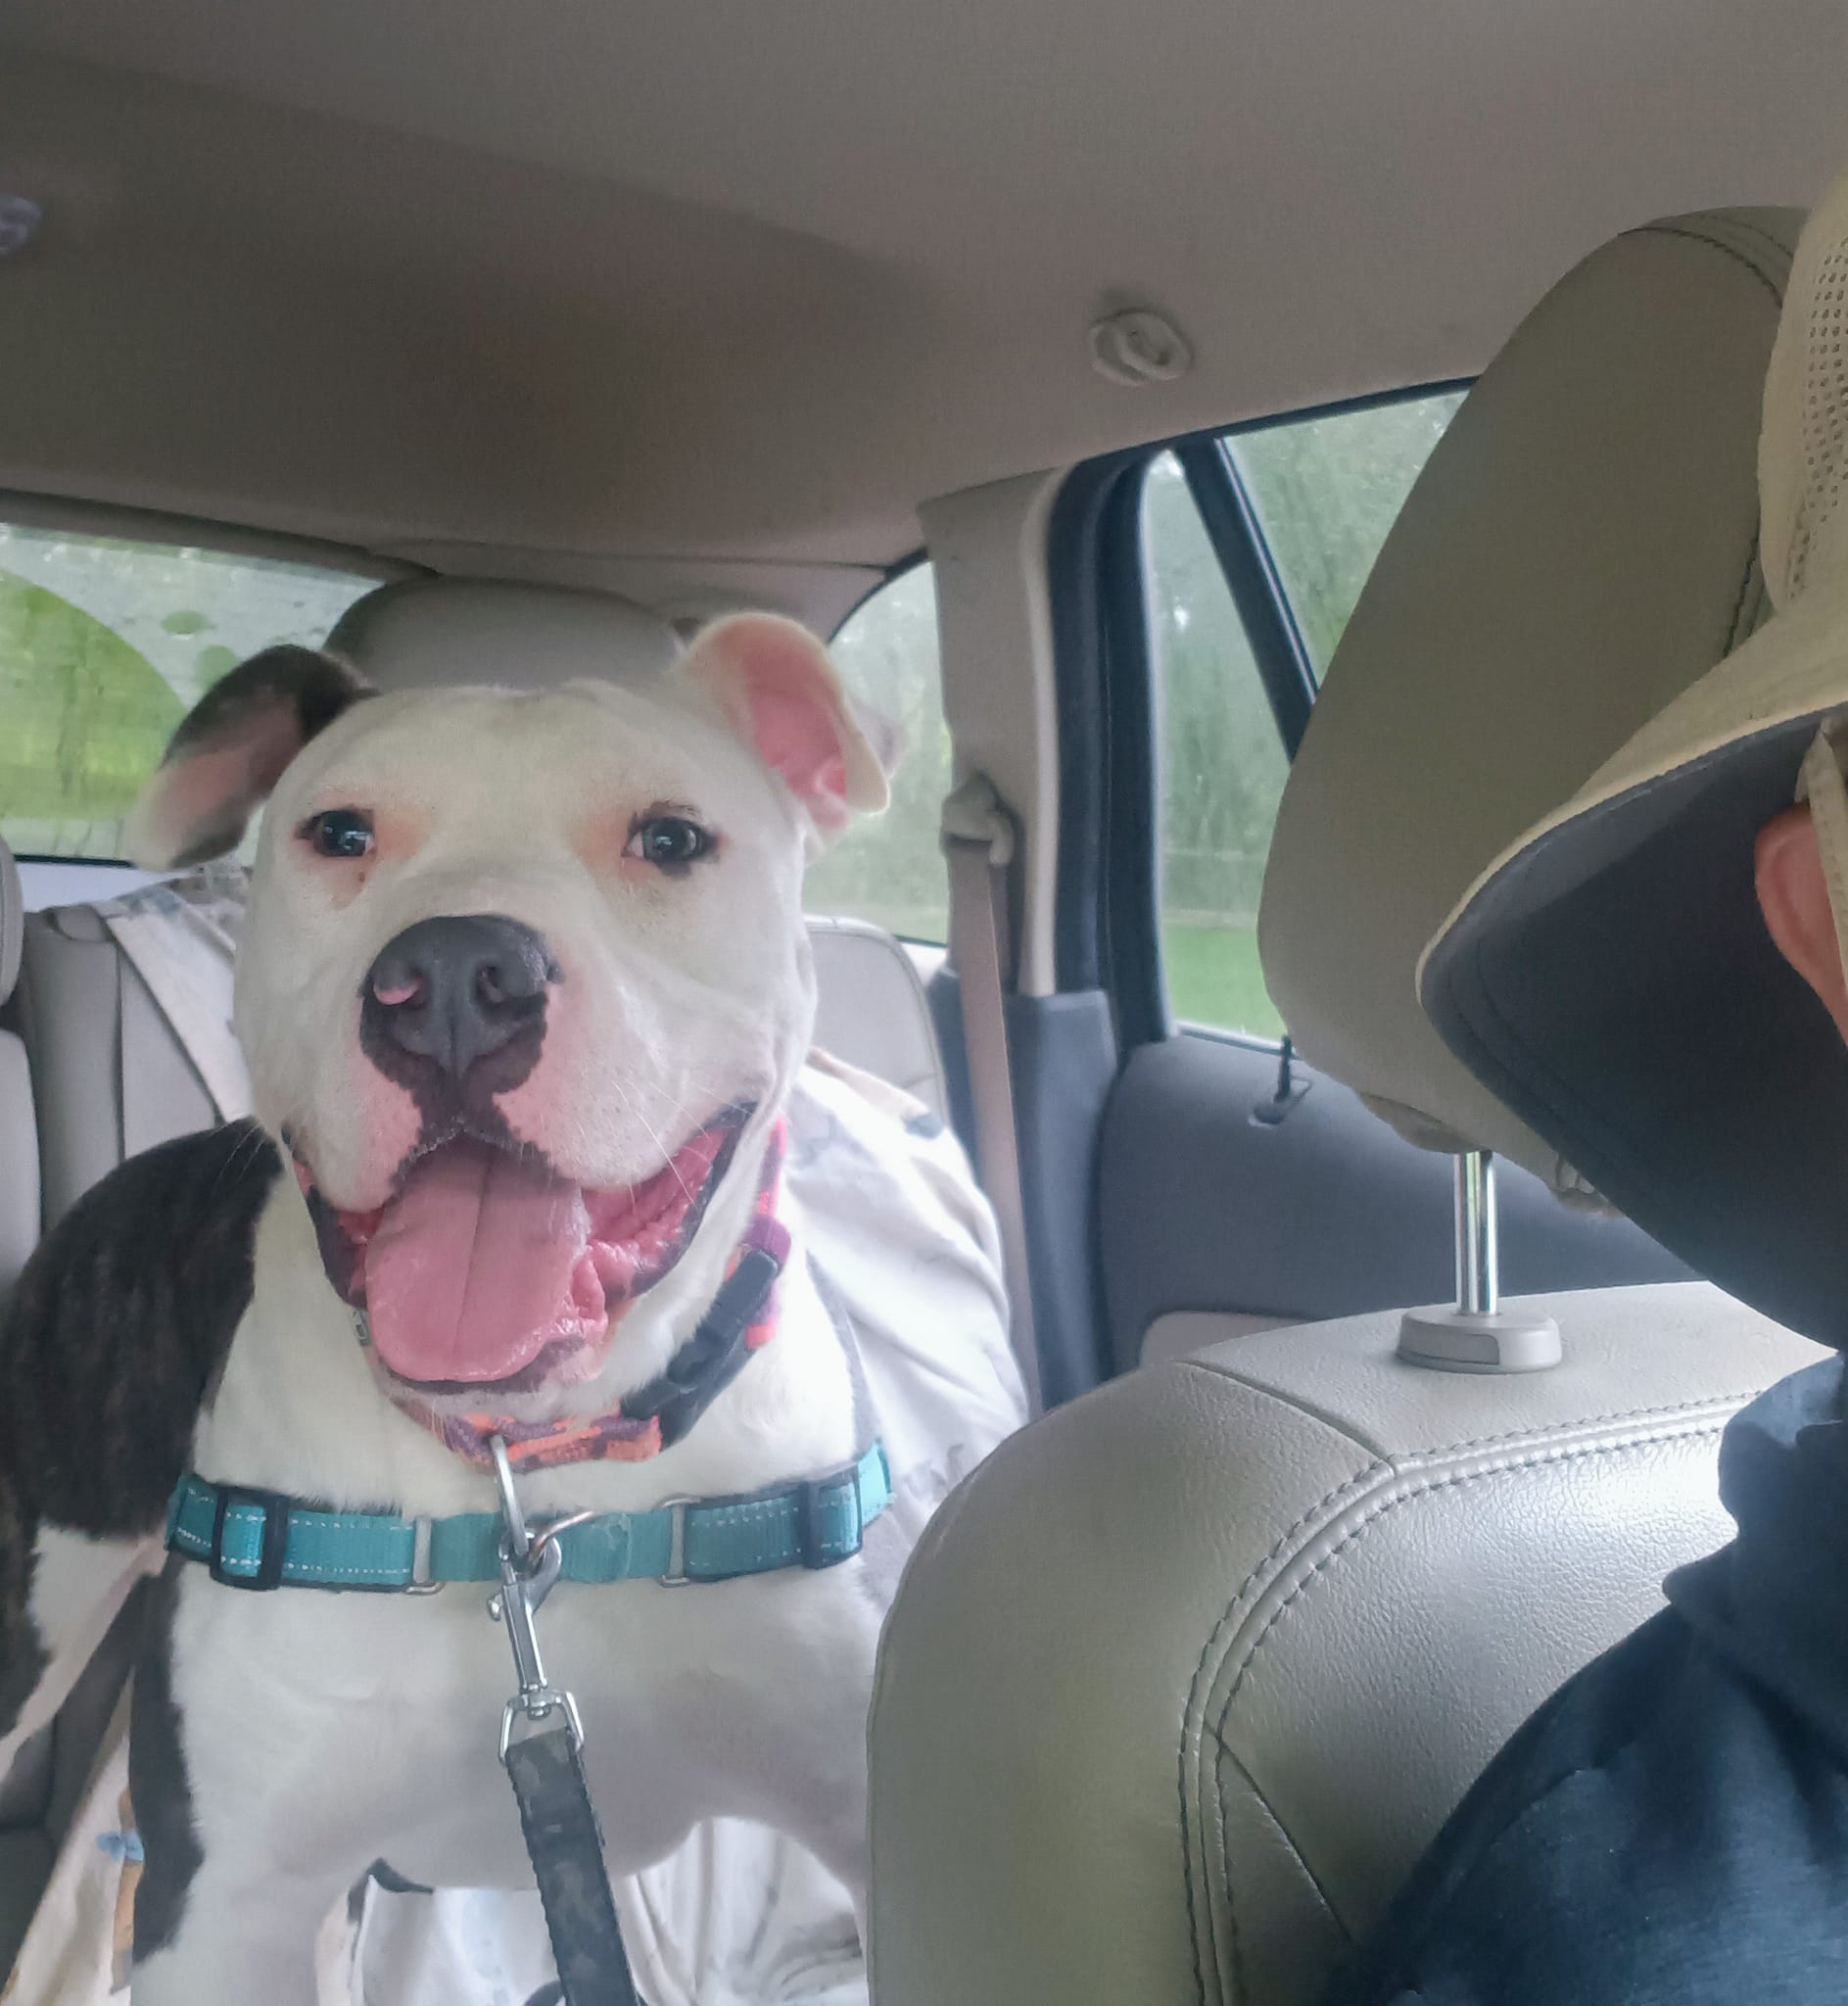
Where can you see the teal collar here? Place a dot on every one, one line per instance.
(259, 1538)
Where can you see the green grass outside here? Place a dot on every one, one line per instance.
(1213, 979)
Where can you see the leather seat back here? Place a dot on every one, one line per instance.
(1183, 1678)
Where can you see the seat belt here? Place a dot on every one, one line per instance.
(979, 845)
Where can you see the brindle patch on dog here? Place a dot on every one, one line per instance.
(297, 691)
(21, 1651)
(158, 1783)
(118, 1329)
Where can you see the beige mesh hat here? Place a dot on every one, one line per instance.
(1610, 978)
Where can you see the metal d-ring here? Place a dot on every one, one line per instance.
(511, 1516)
(546, 1534)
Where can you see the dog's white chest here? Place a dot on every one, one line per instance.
(378, 1717)
(348, 1727)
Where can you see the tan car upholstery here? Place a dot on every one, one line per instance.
(429, 633)
(1181, 1681)
(108, 1076)
(1183, 1678)
(1500, 652)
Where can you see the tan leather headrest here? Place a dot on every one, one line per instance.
(1581, 548)
(428, 633)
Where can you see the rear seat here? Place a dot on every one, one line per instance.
(112, 1078)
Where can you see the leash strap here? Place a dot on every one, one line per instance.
(541, 1745)
(256, 1539)
(566, 1849)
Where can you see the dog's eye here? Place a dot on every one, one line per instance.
(668, 840)
(339, 833)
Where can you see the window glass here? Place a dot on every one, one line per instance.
(888, 869)
(1326, 491)
(105, 645)
(1220, 769)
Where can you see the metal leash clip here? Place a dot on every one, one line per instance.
(529, 1567)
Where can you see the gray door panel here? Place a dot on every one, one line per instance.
(1324, 1213)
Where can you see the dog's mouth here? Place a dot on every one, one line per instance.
(487, 1267)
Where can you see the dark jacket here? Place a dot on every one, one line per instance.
(1672, 1826)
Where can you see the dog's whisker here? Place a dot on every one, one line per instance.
(667, 1155)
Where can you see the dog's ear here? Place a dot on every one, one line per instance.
(230, 750)
(774, 683)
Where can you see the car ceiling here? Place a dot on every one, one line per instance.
(528, 287)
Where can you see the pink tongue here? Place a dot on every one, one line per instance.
(469, 1274)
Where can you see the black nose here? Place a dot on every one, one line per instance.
(453, 991)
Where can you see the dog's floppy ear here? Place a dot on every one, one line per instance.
(775, 683)
(230, 750)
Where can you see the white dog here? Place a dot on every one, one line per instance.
(524, 991)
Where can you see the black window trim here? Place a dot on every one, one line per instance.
(1237, 536)
(888, 574)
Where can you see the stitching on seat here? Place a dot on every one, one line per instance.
(1635, 1413)
(1782, 253)
(1733, 635)
(1570, 1453)
(1296, 1854)
(1724, 249)
(1573, 1453)
(1361, 1477)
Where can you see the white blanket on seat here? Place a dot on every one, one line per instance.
(905, 1248)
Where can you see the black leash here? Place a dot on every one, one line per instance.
(542, 1740)
(566, 1849)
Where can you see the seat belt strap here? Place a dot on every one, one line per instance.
(979, 845)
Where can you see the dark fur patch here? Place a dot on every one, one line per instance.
(393, 1882)
(120, 1324)
(297, 690)
(21, 1651)
(315, 685)
(158, 1783)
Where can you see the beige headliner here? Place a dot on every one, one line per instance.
(748, 279)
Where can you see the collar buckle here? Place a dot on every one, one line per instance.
(677, 1575)
(820, 1543)
(274, 1543)
(421, 1580)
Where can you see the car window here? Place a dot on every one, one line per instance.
(889, 869)
(1324, 492)
(105, 644)
(1220, 768)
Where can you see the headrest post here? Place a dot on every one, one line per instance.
(1477, 1279)
(1478, 1335)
